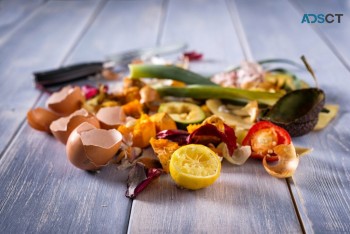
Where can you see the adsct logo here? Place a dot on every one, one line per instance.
(321, 18)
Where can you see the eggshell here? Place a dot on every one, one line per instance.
(40, 119)
(66, 101)
(111, 117)
(62, 127)
(89, 148)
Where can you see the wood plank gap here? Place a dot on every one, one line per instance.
(84, 30)
(74, 45)
(22, 123)
(19, 25)
(305, 222)
(299, 214)
(162, 19)
(299, 8)
(242, 38)
(248, 56)
(165, 6)
(18, 129)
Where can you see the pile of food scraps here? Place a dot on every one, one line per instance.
(167, 119)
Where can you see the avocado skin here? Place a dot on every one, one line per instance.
(298, 129)
(302, 124)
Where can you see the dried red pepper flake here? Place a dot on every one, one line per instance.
(193, 55)
(139, 178)
(179, 136)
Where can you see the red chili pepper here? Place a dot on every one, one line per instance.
(263, 136)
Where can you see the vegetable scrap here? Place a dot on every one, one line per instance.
(169, 121)
(193, 55)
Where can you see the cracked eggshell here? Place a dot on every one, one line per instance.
(111, 117)
(89, 148)
(40, 119)
(62, 127)
(66, 101)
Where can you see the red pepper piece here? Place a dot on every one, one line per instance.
(263, 136)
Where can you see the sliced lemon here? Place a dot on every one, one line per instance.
(194, 166)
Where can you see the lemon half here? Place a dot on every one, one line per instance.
(194, 166)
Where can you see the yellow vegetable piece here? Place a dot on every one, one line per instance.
(301, 151)
(194, 166)
(133, 108)
(325, 118)
(213, 119)
(163, 121)
(164, 148)
(192, 127)
(143, 131)
(109, 103)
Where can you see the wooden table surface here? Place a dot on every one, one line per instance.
(41, 192)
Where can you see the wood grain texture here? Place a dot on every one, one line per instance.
(41, 192)
(40, 43)
(320, 186)
(122, 26)
(207, 28)
(336, 35)
(245, 199)
(13, 13)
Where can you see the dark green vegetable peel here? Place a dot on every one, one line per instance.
(167, 72)
(297, 111)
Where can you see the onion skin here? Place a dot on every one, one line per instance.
(287, 162)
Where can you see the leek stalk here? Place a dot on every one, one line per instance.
(167, 72)
(218, 92)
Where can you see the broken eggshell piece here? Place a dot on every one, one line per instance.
(111, 117)
(66, 101)
(62, 127)
(40, 119)
(90, 148)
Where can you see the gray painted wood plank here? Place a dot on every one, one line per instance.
(244, 199)
(43, 192)
(336, 35)
(136, 26)
(13, 13)
(320, 186)
(198, 24)
(40, 43)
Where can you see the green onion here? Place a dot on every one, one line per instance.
(167, 72)
(205, 92)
